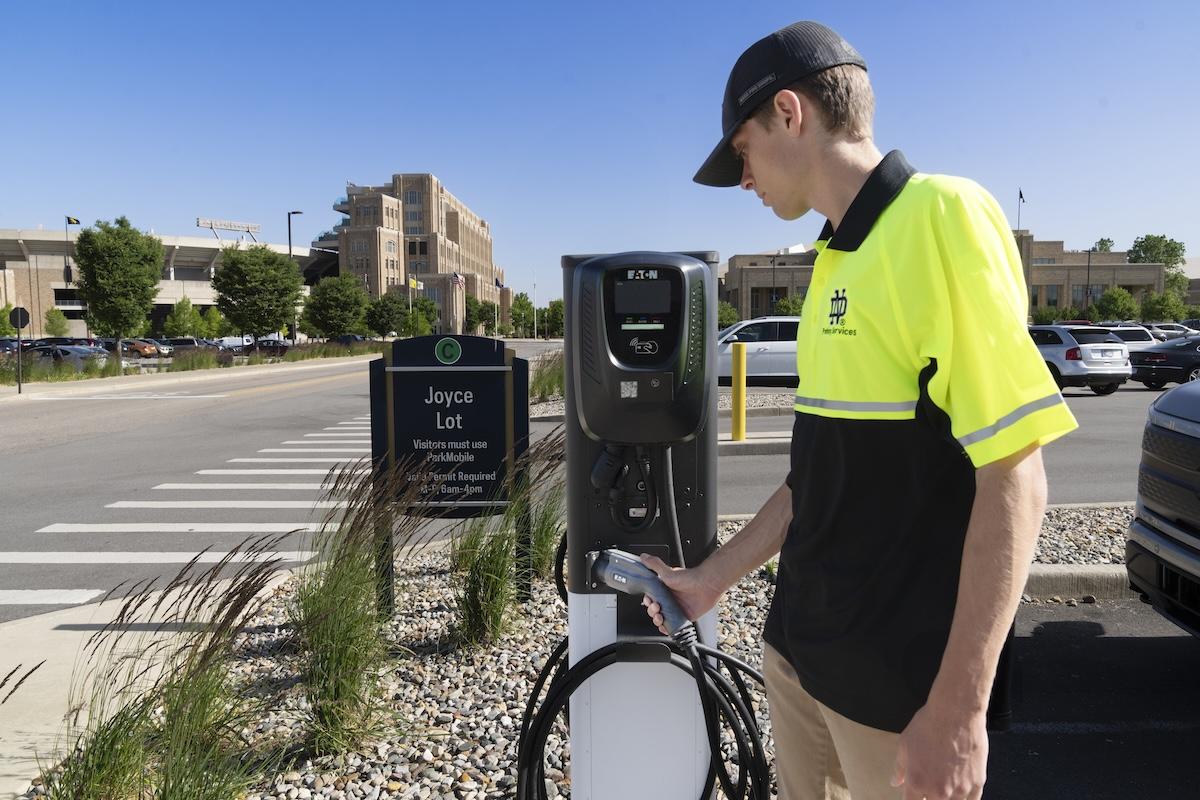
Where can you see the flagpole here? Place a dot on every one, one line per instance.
(1020, 198)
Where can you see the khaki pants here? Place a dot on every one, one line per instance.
(819, 754)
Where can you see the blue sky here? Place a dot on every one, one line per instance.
(576, 127)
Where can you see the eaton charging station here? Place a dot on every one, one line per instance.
(640, 407)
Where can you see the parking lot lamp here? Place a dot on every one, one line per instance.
(295, 317)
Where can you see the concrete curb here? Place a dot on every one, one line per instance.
(150, 381)
(1065, 581)
(724, 412)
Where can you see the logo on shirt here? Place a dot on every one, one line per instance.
(837, 307)
(837, 315)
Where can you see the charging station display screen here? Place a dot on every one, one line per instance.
(642, 297)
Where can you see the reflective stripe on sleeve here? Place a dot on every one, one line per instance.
(843, 405)
(1010, 419)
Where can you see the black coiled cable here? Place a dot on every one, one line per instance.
(724, 700)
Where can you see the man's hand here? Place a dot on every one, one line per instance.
(694, 592)
(943, 756)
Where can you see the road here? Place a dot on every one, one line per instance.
(1106, 706)
(122, 485)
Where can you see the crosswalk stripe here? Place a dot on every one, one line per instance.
(279, 471)
(315, 449)
(322, 460)
(146, 557)
(324, 442)
(47, 597)
(350, 426)
(362, 418)
(246, 504)
(262, 487)
(185, 527)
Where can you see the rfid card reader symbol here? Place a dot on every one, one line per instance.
(646, 348)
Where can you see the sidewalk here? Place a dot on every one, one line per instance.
(162, 380)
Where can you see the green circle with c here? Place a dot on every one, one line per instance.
(448, 350)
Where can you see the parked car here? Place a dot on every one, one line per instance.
(130, 347)
(348, 338)
(183, 343)
(1193, 323)
(1083, 356)
(1162, 548)
(163, 346)
(8, 347)
(1128, 323)
(770, 348)
(1172, 330)
(75, 356)
(1175, 361)
(274, 348)
(1135, 337)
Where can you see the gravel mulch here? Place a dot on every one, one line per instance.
(458, 710)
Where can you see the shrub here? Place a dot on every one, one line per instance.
(548, 526)
(548, 378)
(187, 360)
(488, 589)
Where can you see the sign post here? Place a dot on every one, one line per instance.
(452, 412)
(19, 318)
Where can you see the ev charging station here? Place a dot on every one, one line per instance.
(641, 451)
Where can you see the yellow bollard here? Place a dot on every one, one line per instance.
(739, 391)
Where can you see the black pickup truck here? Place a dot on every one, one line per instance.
(1162, 549)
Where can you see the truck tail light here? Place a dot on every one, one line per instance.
(1074, 355)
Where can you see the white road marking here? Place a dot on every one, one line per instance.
(47, 597)
(315, 449)
(247, 504)
(279, 471)
(1106, 728)
(137, 397)
(267, 487)
(326, 442)
(357, 419)
(184, 527)
(146, 557)
(342, 460)
(346, 434)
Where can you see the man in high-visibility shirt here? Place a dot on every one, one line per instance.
(907, 524)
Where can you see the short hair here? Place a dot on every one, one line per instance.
(844, 96)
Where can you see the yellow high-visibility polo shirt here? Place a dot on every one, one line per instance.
(915, 369)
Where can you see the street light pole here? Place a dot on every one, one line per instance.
(295, 318)
(773, 298)
(535, 310)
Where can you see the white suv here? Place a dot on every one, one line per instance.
(1079, 355)
(770, 347)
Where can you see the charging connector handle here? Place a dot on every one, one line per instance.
(626, 573)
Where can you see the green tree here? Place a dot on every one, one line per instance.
(726, 315)
(1103, 245)
(428, 312)
(522, 315)
(1165, 307)
(119, 270)
(257, 289)
(474, 316)
(1044, 316)
(1117, 303)
(790, 306)
(56, 323)
(489, 313)
(336, 305)
(214, 324)
(184, 320)
(386, 314)
(6, 328)
(554, 319)
(1157, 249)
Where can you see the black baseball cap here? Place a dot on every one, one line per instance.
(769, 65)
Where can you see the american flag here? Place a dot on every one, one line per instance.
(457, 279)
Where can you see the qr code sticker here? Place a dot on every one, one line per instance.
(628, 389)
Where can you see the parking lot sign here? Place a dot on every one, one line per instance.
(18, 317)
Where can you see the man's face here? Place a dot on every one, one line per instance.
(772, 165)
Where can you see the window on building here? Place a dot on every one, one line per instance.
(412, 198)
(413, 216)
(423, 248)
(410, 230)
(1077, 295)
(1050, 296)
(1037, 261)
(391, 247)
(412, 248)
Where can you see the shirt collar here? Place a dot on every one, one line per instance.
(881, 188)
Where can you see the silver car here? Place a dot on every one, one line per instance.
(1135, 337)
(1079, 355)
(770, 348)
(1173, 330)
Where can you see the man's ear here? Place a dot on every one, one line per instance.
(790, 110)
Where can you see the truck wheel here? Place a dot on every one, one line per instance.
(1106, 388)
